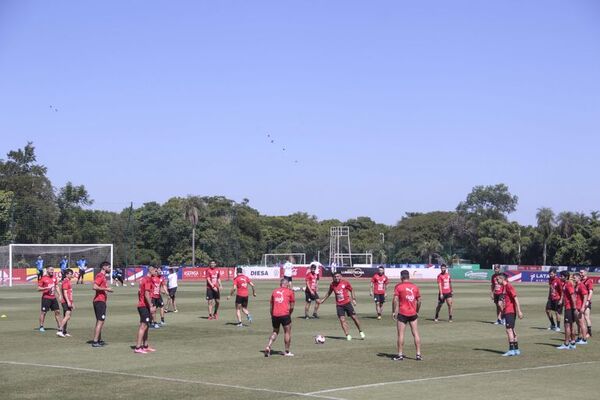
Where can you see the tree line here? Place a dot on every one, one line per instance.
(478, 230)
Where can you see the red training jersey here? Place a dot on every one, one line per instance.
(281, 301)
(509, 299)
(48, 283)
(446, 282)
(212, 276)
(156, 282)
(581, 293)
(146, 285)
(568, 290)
(496, 287)
(241, 283)
(555, 292)
(342, 291)
(100, 281)
(311, 281)
(67, 291)
(408, 295)
(379, 283)
(589, 284)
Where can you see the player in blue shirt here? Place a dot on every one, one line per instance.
(39, 264)
(64, 264)
(82, 265)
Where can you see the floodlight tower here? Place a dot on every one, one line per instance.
(340, 251)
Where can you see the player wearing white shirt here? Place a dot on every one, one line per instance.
(172, 288)
(288, 270)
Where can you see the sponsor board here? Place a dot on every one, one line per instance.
(19, 276)
(199, 273)
(534, 276)
(260, 273)
(473, 275)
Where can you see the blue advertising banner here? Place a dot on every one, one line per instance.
(534, 276)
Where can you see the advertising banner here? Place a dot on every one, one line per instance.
(199, 273)
(260, 273)
(473, 275)
(534, 276)
(19, 275)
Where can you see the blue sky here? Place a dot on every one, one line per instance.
(387, 106)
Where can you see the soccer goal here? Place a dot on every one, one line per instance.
(18, 261)
(273, 259)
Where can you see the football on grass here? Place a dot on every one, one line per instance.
(319, 339)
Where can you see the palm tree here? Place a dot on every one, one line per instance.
(191, 206)
(545, 224)
(429, 248)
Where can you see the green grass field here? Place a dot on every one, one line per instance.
(198, 358)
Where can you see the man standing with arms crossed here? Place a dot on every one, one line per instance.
(553, 303)
(282, 307)
(99, 301)
(82, 265)
(310, 292)
(444, 292)
(589, 284)
(379, 284)
(569, 301)
(145, 309)
(213, 290)
(345, 299)
(496, 293)
(48, 285)
(405, 310)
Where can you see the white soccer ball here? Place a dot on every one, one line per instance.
(319, 339)
(132, 283)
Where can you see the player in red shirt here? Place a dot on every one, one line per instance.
(569, 301)
(553, 304)
(282, 307)
(581, 295)
(379, 284)
(310, 292)
(159, 286)
(241, 283)
(145, 308)
(213, 290)
(511, 308)
(67, 302)
(99, 301)
(444, 292)
(48, 286)
(589, 284)
(496, 292)
(405, 310)
(345, 299)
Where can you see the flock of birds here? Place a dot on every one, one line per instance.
(272, 141)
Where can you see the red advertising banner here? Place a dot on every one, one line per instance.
(19, 275)
(529, 268)
(199, 273)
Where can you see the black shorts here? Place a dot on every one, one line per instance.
(145, 316)
(346, 309)
(589, 306)
(379, 298)
(570, 316)
(100, 310)
(158, 302)
(498, 298)
(554, 305)
(288, 278)
(212, 294)
(81, 272)
(243, 300)
(40, 274)
(444, 297)
(310, 297)
(66, 308)
(278, 321)
(172, 292)
(49, 304)
(406, 319)
(509, 320)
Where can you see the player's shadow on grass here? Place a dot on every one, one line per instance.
(392, 355)
(488, 322)
(547, 344)
(490, 351)
(336, 337)
(538, 328)
(233, 323)
(273, 352)
(369, 317)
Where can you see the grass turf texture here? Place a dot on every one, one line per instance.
(195, 356)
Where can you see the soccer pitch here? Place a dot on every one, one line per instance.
(197, 358)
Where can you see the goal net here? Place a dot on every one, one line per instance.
(275, 259)
(18, 262)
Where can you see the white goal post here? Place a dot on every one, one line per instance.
(271, 259)
(16, 258)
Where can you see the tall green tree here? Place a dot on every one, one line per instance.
(545, 225)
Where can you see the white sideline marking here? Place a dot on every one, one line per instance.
(164, 378)
(436, 378)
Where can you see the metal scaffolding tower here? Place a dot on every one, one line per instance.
(340, 252)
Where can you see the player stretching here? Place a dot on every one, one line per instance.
(48, 285)
(569, 301)
(589, 284)
(310, 292)
(240, 283)
(172, 288)
(282, 307)
(581, 294)
(511, 308)
(344, 301)
(444, 292)
(82, 265)
(496, 293)
(405, 310)
(379, 284)
(213, 290)
(553, 304)
(101, 288)
(67, 302)
(145, 309)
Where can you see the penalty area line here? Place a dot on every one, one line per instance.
(437, 378)
(168, 379)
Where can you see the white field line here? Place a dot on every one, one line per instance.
(437, 378)
(167, 379)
